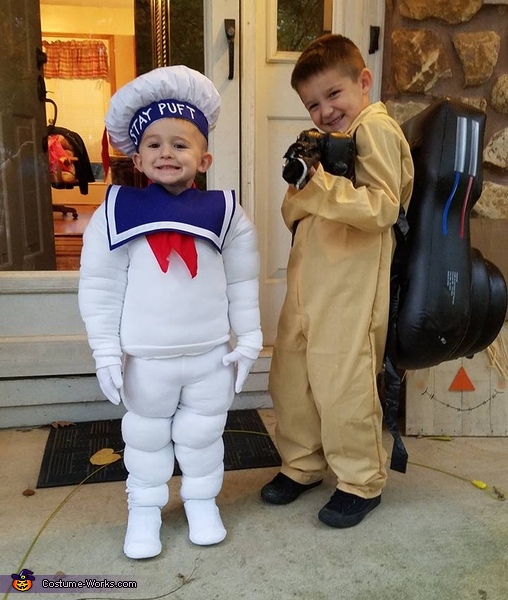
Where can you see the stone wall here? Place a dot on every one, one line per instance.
(457, 49)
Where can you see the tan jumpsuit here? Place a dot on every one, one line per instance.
(332, 328)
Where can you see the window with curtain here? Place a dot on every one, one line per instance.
(77, 76)
(75, 59)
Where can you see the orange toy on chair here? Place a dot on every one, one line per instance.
(61, 160)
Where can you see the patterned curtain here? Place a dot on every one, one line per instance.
(76, 60)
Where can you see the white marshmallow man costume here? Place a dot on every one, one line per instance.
(170, 331)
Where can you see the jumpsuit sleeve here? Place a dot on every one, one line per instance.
(102, 284)
(382, 170)
(241, 263)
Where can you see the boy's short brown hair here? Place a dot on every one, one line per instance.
(328, 52)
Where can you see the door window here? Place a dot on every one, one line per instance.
(301, 21)
(169, 32)
(187, 43)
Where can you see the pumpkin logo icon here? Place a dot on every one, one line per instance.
(22, 581)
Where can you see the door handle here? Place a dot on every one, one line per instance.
(374, 33)
(41, 58)
(229, 29)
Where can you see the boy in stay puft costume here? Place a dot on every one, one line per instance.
(167, 272)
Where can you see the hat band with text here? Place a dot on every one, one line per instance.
(164, 109)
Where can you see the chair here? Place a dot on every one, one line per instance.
(65, 210)
(69, 162)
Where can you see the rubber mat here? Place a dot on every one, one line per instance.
(68, 450)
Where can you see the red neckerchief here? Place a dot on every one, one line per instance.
(163, 243)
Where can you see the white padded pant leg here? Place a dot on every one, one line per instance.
(149, 459)
(152, 387)
(202, 469)
(199, 423)
(198, 426)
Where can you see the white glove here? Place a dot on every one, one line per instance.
(243, 366)
(110, 381)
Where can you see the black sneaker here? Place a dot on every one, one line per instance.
(283, 490)
(346, 510)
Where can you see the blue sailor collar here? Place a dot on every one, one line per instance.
(133, 212)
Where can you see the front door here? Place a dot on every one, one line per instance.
(26, 220)
(278, 117)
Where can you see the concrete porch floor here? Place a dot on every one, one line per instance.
(435, 536)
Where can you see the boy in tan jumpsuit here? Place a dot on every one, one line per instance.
(333, 324)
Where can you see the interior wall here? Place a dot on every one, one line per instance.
(91, 20)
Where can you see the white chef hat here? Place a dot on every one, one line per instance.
(175, 91)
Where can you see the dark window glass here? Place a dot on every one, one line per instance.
(301, 21)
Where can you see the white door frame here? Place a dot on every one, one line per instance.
(248, 105)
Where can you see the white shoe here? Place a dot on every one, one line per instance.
(142, 539)
(205, 524)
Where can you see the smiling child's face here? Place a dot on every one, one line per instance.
(334, 100)
(172, 151)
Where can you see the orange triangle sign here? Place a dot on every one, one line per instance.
(462, 383)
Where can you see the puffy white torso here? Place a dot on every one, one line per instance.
(165, 314)
(130, 305)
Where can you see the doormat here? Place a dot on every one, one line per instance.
(66, 459)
